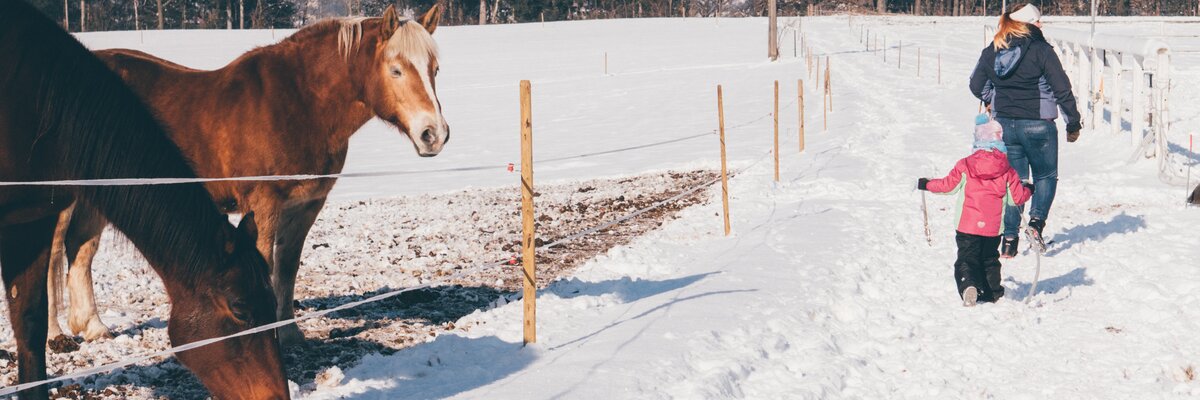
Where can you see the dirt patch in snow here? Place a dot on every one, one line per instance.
(358, 249)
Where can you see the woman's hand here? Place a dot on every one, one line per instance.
(1073, 131)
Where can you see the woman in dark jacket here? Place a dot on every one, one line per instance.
(1022, 81)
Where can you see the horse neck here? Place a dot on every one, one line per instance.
(331, 86)
(176, 227)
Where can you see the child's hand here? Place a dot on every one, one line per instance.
(923, 183)
(1028, 186)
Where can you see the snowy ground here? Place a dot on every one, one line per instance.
(827, 288)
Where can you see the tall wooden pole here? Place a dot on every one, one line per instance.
(800, 101)
(776, 114)
(918, 62)
(527, 237)
(828, 85)
(724, 171)
(772, 32)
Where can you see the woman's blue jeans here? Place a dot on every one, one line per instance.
(1032, 151)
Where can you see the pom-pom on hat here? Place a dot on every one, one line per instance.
(988, 134)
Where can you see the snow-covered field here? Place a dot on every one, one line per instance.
(827, 288)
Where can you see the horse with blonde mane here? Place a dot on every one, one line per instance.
(284, 109)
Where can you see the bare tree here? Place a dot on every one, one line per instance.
(482, 12)
(242, 14)
(136, 26)
(82, 16)
(160, 17)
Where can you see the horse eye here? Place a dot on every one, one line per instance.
(240, 311)
(436, 70)
(396, 72)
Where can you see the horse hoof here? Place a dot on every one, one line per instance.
(91, 330)
(53, 331)
(63, 344)
(290, 335)
(96, 330)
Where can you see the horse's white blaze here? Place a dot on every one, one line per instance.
(417, 46)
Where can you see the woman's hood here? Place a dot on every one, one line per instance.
(1007, 60)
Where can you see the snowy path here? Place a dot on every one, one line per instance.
(828, 290)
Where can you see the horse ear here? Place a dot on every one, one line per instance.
(391, 22)
(248, 226)
(431, 18)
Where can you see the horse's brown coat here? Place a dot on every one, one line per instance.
(290, 108)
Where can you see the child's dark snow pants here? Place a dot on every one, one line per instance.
(978, 265)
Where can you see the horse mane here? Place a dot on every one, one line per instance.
(99, 129)
(410, 39)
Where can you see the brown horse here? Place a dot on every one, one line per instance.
(289, 108)
(65, 115)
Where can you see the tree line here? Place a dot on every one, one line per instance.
(102, 15)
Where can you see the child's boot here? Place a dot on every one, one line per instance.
(970, 296)
(1008, 247)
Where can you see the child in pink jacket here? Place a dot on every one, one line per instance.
(984, 183)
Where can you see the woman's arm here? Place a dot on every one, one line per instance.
(981, 86)
(1060, 84)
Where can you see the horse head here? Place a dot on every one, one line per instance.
(400, 78)
(236, 297)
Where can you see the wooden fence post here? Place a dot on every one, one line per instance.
(776, 115)
(899, 54)
(939, 68)
(800, 101)
(606, 63)
(724, 173)
(527, 238)
(918, 62)
(828, 85)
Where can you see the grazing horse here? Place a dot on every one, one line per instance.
(65, 116)
(288, 108)
(1195, 197)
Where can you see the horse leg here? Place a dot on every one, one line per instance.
(24, 257)
(83, 239)
(294, 229)
(56, 276)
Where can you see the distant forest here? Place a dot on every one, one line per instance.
(102, 15)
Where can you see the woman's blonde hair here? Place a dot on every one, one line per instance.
(1010, 28)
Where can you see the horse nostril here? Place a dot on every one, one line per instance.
(427, 136)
